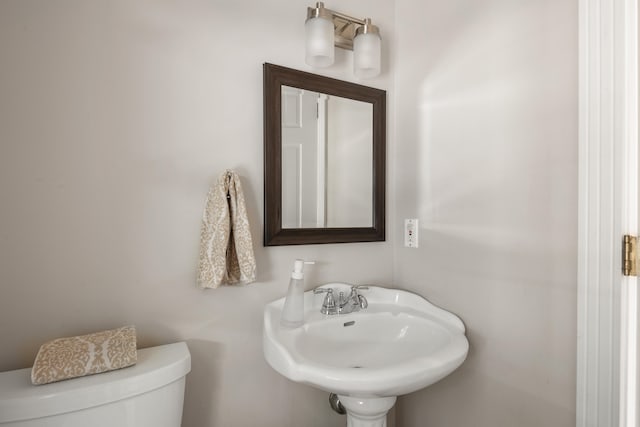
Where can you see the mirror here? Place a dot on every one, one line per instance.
(326, 141)
(324, 148)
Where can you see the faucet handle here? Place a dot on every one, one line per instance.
(329, 303)
(356, 288)
(361, 300)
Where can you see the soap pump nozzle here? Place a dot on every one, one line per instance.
(298, 268)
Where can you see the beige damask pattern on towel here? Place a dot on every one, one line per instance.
(226, 248)
(72, 357)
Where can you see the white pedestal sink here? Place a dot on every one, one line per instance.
(399, 344)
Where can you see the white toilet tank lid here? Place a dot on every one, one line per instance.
(156, 367)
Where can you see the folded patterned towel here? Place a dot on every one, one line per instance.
(226, 248)
(72, 357)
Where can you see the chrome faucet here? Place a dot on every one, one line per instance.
(354, 302)
(345, 304)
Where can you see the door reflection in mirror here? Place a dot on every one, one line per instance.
(327, 152)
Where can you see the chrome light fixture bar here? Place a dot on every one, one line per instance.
(326, 28)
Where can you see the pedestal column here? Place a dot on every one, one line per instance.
(367, 412)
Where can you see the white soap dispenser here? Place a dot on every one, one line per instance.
(293, 311)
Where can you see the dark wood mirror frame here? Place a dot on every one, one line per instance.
(274, 235)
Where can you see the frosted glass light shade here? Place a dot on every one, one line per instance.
(319, 37)
(366, 55)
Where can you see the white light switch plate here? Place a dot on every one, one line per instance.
(411, 233)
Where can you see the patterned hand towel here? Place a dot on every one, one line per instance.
(226, 249)
(72, 357)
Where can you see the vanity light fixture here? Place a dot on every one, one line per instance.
(326, 28)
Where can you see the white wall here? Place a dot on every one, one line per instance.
(486, 155)
(115, 116)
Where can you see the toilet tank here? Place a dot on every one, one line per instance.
(148, 394)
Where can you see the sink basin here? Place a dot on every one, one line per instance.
(399, 344)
